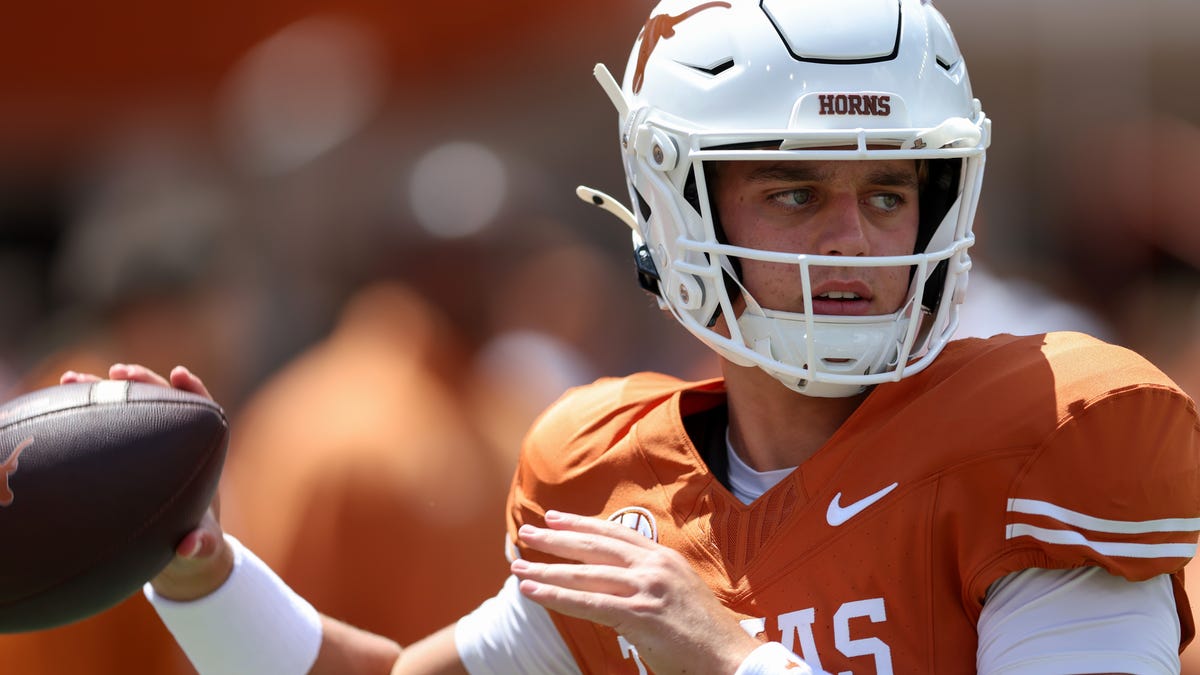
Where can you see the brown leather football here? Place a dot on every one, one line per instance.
(98, 484)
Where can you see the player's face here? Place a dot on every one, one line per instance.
(837, 208)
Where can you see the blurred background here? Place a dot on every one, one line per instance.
(356, 221)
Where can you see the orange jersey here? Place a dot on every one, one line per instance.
(875, 556)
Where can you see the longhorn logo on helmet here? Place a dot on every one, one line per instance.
(662, 27)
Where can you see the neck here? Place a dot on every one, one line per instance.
(772, 427)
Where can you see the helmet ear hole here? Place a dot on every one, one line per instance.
(643, 205)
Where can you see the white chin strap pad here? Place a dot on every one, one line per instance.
(839, 346)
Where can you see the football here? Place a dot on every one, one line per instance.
(98, 484)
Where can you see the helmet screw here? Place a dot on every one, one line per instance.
(683, 291)
(625, 141)
(658, 154)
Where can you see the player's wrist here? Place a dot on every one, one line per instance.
(204, 565)
(252, 623)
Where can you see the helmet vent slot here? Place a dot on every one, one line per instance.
(713, 70)
(643, 205)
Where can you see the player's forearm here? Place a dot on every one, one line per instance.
(255, 623)
(433, 655)
(346, 649)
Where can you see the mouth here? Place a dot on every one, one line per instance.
(851, 299)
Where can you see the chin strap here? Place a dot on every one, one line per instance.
(598, 198)
(610, 86)
(648, 276)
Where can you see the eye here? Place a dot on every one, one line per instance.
(791, 198)
(886, 201)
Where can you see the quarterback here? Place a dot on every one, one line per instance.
(859, 492)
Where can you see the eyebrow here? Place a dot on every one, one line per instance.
(787, 173)
(798, 173)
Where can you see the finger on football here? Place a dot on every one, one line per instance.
(182, 378)
(136, 373)
(71, 376)
(202, 563)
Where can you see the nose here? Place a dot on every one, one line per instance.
(843, 230)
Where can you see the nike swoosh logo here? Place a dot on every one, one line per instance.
(838, 514)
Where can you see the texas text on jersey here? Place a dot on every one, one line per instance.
(876, 555)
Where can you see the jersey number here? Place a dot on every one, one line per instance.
(630, 652)
(798, 625)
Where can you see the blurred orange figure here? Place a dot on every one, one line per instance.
(355, 473)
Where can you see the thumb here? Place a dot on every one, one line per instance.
(202, 562)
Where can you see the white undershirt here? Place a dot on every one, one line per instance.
(746, 483)
(1034, 622)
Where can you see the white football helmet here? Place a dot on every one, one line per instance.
(798, 79)
(795, 80)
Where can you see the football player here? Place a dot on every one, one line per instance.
(858, 492)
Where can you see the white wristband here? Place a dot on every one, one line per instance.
(772, 657)
(252, 624)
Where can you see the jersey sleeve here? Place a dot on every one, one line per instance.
(575, 458)
(1116, 485)
(567, 459)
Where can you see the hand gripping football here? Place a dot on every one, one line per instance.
(98, 484)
